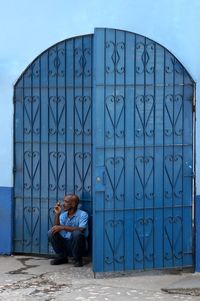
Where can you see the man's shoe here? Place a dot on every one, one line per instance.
(78, 263)
(57, 261)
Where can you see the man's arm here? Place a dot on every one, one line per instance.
(57, 211)
(83, 223)
(58, 228)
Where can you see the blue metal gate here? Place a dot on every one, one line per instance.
(143, 155)
(53, 105)
(120, 135)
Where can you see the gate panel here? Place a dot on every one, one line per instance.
(53, 108)
(143, 155)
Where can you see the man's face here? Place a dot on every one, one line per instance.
(69, 203)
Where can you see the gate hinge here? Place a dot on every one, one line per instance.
(14, 169)
(193, 108)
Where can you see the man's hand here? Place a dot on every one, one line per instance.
(56, 229)
(57, 208)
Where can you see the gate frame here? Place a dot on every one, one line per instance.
(196, 239)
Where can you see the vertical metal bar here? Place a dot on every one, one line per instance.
(48, 148)
(104, 150)
(57, 129)
(163, 209)
(144, 152)
(183, 156)
(83, 95)
(73, 104)
(154, 154)
(114, 194)
(173, 165)
(91, 124)
(40, 148)
(134, 152)
(32, 149)
(124, 186)
(66, 110)
(14, 175)
(23, 177)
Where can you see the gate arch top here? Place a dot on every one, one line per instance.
(145, 49)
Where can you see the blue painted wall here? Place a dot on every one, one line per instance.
(6, 219)
(197, 234)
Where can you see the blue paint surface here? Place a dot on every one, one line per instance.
(6, 201)
(197, 234)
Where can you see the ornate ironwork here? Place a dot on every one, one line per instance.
(57, 170)
(144, 232)
(114, 177)
(173, 231)
(145, 57)
(57, 106)
(31, 221)
(51, 216)
(115, 228)
(115, 114)
(144, 170)
(56, 62)
(173, 116)
(31, 114)
(82, 62)
(173, 171)
(33, 70)
(115, 51)
(172, 65)
(31, 170)
(83, 115)
(145, 107)
(83, 169)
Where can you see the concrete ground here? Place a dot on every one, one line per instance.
(33, 278)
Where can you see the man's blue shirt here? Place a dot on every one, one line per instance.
(79, 219)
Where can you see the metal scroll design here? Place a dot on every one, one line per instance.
(173, 115)
(174, 174)
(34, 70)
(114, 230)
(114, 179)
(144, 173)
(114, 116)
(83, 115)
(31, 222)
(82, 62)
(51, 216)
(57, 115)
(31, 170)
(31, 115)
(172, 65)
(145, 54)
(57, 171)
(173, 237)
(56, 62)
(83, 172)
(145, 107)
(144, 234)
(115, 52)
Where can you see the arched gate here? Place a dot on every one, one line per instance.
(107, 116)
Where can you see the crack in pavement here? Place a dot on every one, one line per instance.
(39, 284)
(25, 267)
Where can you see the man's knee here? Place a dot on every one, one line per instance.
(77, 234)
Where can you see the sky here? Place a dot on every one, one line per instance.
(28, 27)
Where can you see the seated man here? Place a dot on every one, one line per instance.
(68, 235)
